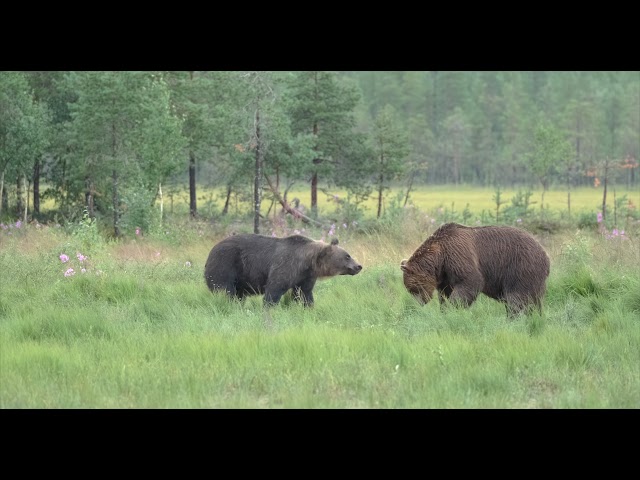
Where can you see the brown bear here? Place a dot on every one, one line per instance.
(252, 264)
(505, 263)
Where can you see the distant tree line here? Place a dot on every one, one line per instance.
(115, 144)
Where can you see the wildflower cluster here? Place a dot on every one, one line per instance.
(8, 229)
(18, 226)
(615, 233)
(81, 265)
(334, 229)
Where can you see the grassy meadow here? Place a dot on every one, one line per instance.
(427, 198)
(138, 328)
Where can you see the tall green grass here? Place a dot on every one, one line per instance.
(139, 329)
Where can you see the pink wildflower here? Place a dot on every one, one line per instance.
(599, 217)
(81, 257)
(64, 258)
(69, 272)
(137, 230)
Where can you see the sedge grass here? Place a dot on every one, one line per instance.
(140, 330)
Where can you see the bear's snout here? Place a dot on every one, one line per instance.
(355, 269)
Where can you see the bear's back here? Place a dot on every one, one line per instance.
(510, 249)
(496, 247)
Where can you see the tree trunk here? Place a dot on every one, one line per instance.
(434, 104)
(314, 195)
(456, 163)
(116, 204)
(287, 208)
(314, 178)
(604, 193)
(36, 187)
(4, 198)
(380, 181)
(275, 210)
(26, 203)
(406, 197)
(161, 202)
(193, 209)
(257, 187)
(19, 194)
(226, 201)
(89, 196)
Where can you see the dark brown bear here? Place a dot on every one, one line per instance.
(505, 263)
(251, 264)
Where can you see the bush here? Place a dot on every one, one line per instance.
(140, 215)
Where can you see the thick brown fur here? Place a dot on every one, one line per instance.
(251, 264)
(505, 263)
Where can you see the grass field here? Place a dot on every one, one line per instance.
(433, 198)
(139, 329)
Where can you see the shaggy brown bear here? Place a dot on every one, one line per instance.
(505, 263)
(251, 264)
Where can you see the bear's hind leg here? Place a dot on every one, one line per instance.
(518, 304)
(219, 283)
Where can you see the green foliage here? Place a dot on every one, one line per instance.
(349, 210)
(142, 216)
(146, 333)
(123, 133)
(587, 221)
(321, 104)
(390, 144)
(86, 232)
(24, 126)
(497, 198)
(483, 128)
(519, 208)
(467, 215)
(395, 210)
(550, 149)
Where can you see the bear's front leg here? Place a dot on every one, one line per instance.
(463, 295)
(304, 292)
(273, 294)
(444, 293)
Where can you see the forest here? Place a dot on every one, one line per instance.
(115, 186)
(114, 145)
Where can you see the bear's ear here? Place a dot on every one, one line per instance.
(334, 241)
(403, 265)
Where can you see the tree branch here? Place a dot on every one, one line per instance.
(287, 207)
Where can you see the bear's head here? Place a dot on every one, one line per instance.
(333, 260)
(418, 280)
